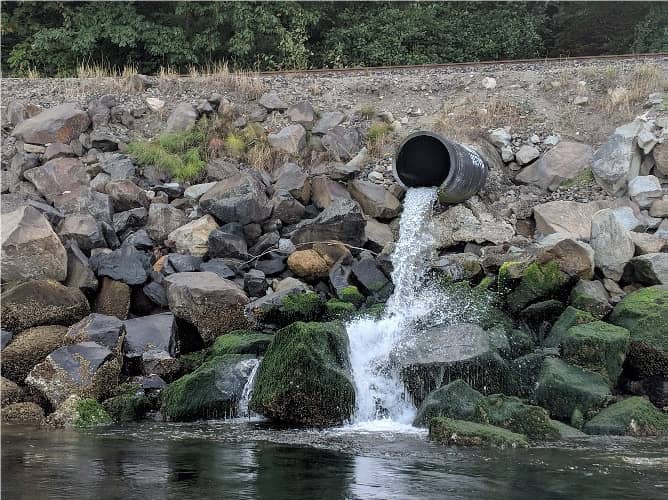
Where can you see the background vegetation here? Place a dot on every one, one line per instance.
(55, 38)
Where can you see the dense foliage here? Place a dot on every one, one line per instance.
(55, 37)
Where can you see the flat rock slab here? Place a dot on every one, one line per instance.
(149, 332)
(58, 124)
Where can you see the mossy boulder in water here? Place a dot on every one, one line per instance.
(569, 318)
(445, 353)
(90, 413)
(241, 342)
(597, 346)
(459, 432)
(351, 294)
(564, 389)
(644, 314)
(129, 405)
(539, 282)
(283, 308)
(212, 391)
(525, 372)
(455, 400)
(513, 414)
(634, 416)
(338, 309)
(304, 377)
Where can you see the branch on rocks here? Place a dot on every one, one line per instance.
(298, 245)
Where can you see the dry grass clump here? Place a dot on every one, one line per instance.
(367, 112)
(623, 94)
(378, 137)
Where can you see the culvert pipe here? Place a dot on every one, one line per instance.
(426, 159)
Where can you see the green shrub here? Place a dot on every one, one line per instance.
(91, 413)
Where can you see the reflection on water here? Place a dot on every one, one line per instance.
(252, 460)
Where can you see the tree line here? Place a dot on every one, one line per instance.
(54, 38)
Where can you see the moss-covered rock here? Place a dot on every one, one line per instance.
(304, 377)
(241, 342)
(569, 318)
(351, 294)
(338, 309)
(212, 391)
(129, 405)
(90, 413)
(564, 388)
(284, 308)
(634, 416)
(525, 372)
(597, 346)
(459, 432)
(455, 400)
(539, 282)
(566, 431)
(513, 414)
(520, 343)
(644, 313)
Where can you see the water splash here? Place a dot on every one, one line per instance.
(247, 391)
(378, 387)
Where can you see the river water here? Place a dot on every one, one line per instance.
(239, 460)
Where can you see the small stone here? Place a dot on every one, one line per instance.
(154, 104)
(488, 83)
(527, 154)
(580, 100)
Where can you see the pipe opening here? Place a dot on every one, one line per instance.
(423, 161)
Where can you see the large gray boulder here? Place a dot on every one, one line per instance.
(460, 224)
(193, 237)
(29, 348)
(291, 178)
(575, 258)
(116, 165)
(342, 220)
(618, 160)
(58, 124)
(290, 139)
(566, 161)
(31, 250)
(325, 190)
(87, 369)
(644, 190)
(328, 121)
(568, 217)
(58, 176)
(126, 264)
(85, 200)
(375, 200)
(108, 331)
(612, 244)
(211, 303)
(286, 208)
(342, 143)
(84, 230)
(649, 269)
(240, 198)
(146, 338)
(183, 117)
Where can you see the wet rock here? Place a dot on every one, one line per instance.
(126, 264)
(61, 123)
(324, 191)
(445, 353)
(290, 139)
(377, 235)
(564, 389)
(183, 117)
(23, 413)
(193, 237)
(539, 282)
(86, 369)
(633, 416)
(567, 217)
(569, 318)
(212, 304)
(342, 143)
(375, 200)
(591, 296)
(57, 177)
(462, 433)
(371, 279)
(318, 390)
(342, 220)
(163, 219)
(29, 348)
(42, 303)
(113, 299)
(649, 269)
(612, 244)
(30, 247)
(460, 224)
(328, 121)
(562, 163)
(240, 198)
(10, 392)
(454, 400)
(107, 331)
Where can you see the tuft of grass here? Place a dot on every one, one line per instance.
(367, 112)
(261, 157)
(235, 145)
(377, 138)
(622, 96)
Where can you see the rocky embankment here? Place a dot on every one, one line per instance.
(127, 294)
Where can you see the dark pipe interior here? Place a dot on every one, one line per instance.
(423, 161)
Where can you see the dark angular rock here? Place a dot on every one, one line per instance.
(113, 299)
(108, 331)
(126, 264)
(156, 293)
(255, 283)
(79, 273)
(264, 243)
(372, 280)
(227, 244)
(58, 124)
(180, 263)
(240, 198)
(219, 267)
(342, 220)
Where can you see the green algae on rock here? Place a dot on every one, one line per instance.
(460, 432)
(304, 378)
(90, 413)
(539, 282)
(513, 414)
(634, 416)
(569, 318)
(455, 400)
(241, 342)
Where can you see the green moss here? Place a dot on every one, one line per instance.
(644, 313)
(91, 413)
(597, 346)
(485, 283)
(301, 307)
(584, 179)
(190, 362)
(459, 432)
(208, 392)
(563, 388)
(241, 342)
(525, 372)
(634, 416)
(540, 282)
(338, 309)
(352, 294)
(569, 318)
(455, 400)
(508, 274)
(127, 407)
(375, 311)
(511, 413)
(304, 376)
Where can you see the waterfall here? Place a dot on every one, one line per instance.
(378, 387)
(247, 391)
